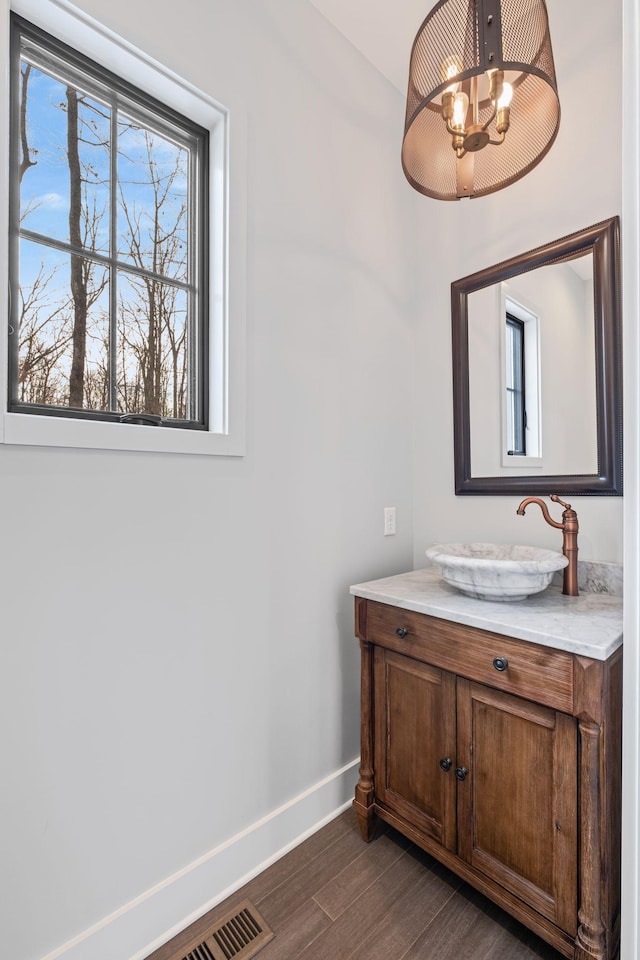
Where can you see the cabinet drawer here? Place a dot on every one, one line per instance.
(534, 672)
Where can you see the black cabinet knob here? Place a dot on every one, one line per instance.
(501, 664)
(402, 632)
(446, 763)
(461, 773)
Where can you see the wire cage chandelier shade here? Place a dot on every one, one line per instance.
(482, 103)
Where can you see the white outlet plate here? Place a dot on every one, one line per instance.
(389, 521)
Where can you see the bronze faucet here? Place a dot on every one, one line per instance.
(569, 527)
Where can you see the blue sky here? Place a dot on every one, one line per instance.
(45, 186)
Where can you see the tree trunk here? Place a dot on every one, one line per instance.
(152, 376)
(78, 282)
(26, 160)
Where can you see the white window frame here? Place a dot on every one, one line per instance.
(226, 431)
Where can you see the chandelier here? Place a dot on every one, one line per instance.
(482, 104)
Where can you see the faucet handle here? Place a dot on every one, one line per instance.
(556, 499)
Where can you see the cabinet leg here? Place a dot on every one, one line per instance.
(363, 803)
(366, 817)
(589, 947)
(591, 940)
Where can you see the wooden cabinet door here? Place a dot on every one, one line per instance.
(414, 719)
(517, 806)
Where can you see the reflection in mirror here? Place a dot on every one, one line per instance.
(529, 408)
(537, 370)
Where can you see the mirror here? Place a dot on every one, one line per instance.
(537, 372)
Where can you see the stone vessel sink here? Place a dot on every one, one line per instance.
(496, 571)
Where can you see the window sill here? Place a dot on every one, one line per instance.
(530, 463)
(23, 428)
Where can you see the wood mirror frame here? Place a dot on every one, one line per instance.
(603, 241)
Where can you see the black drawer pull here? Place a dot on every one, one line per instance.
(461, 773)
(446, 763)
(501, 664)
(402, 632)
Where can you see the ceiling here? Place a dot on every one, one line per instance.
(382, 30)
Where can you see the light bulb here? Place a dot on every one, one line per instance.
(460, 107)
(503, 118)
(451, 67)
(505, 96)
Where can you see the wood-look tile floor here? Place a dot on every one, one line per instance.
(336, 898)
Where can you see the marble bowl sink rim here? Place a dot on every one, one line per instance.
(539, 559)
(482, 571)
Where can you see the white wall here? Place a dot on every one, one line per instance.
(177, 653)
(576, 185)
(630, 941)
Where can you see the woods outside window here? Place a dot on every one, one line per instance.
(108, 245)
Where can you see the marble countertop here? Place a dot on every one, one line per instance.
(590, 624)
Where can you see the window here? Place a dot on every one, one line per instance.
(212, 385)
(520, 380)
(515, 387)
(108, 252)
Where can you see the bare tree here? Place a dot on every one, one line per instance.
(78, 275)
(45, 333)
(147, 322)
(25, 159)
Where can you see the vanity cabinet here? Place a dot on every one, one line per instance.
(501, 758)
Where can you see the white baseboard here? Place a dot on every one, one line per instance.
(133, 931)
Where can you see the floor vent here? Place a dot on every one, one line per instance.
(237, 936)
